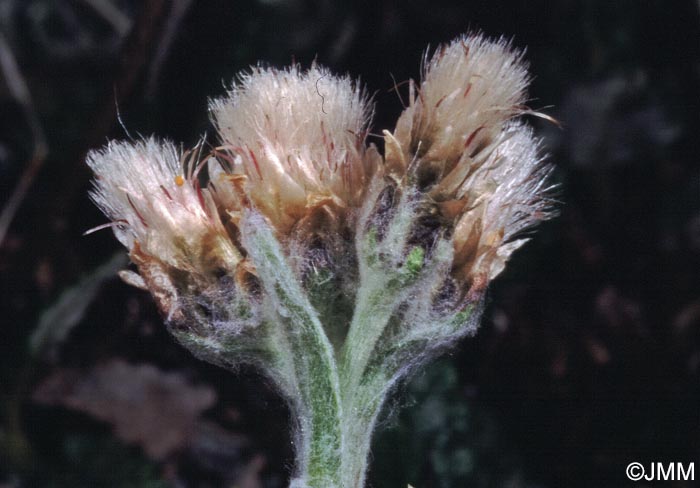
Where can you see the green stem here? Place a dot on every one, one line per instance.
(320, 433)
(361, 415)
(318, 406)
(361, 400)
(371, 316)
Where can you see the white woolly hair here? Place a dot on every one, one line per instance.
(142, 188)
(298, 137)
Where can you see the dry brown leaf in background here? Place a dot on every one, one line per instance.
(155, 409)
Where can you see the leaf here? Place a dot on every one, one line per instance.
(146, 406)
(58, 320)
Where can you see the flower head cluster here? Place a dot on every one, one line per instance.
(294, 246)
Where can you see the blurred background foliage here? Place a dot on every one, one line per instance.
(589, 354)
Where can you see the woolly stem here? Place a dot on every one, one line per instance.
(317, 406)
(361, 413)
(364, 383)
(320, 415)
(360, 405)
(381, 287)
(374, 309)
(386, 274)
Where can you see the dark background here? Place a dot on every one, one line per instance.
(588, 357)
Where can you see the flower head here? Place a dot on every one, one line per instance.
(470, 88)
(295, 142)
(507, 195)
(458, 143)
(160, 213)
